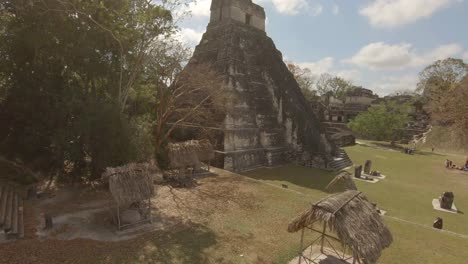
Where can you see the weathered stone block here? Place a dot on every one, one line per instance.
(367, 167)
(358, 171)
(446, 200)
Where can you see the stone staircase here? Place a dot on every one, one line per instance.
(11, 213)
(340, 162)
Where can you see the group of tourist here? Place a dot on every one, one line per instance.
(409, 151)
(449, 165)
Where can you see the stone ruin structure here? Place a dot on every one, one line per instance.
(268, 121)
(446, 200)
(368, 167)
(358, 171)
(438, 223)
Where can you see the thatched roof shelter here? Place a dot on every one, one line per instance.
(354, 220)
(190, 153)
(346, 178)
(16, 173)
(130, 183)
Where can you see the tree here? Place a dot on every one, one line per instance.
(441, 76)
(305, 79)
(382, 122)
(452, 108)
(404, 92)
(330, 86)
(194, 100)
(72, 76)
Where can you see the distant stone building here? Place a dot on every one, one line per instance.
(336, 116)
(269, 121)
(358, 100)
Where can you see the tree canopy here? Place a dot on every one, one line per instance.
(77, 81)
(305, 79)
(382, 122)
(333, 86)
(441, 76)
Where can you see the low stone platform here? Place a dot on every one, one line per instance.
(436, 206)
(373, 180)
(372, 176)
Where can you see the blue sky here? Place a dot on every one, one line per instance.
(379, 44)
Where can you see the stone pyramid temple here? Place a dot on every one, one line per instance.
(269, 122)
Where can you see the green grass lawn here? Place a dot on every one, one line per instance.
(411, 184)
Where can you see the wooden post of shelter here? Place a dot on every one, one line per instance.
(128, 185)
(301, 246)
(351, 215)
(323, 236)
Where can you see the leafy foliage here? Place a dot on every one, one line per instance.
(441, 76)
(382, 122)
(305, 79)
(330, 86)
(444, 86)
(76, 89)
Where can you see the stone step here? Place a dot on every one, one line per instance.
(9, 212)
(21, 219)
(14, 217)
(3, 202)
(345, 162)
(341, 162)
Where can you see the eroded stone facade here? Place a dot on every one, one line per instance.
(268, 121)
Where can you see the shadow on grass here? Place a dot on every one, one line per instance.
(427, 153)
(398, 148)
(186, 244)
(389, 146)
(297, 175)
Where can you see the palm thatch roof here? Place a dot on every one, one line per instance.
(353, 219)
(346, 178)
(16, 173)
(190, 153)
(131, 183)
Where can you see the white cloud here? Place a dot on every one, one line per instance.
(201, 8)
(189, 36)
(439, 53)
(379, 55)
(352, 75)
(316, 9)
(318, 67)
(290, 7)
(395, 13)
(198, 8)
(390, 84)
(294, 7)
(382, 56)
(327, 65)
(335, 9)
(465, 55)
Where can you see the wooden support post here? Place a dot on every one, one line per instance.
(149, 213)
(323, 236)
(300, 249)
(358, 259)
(48, 221)
(118, 217)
